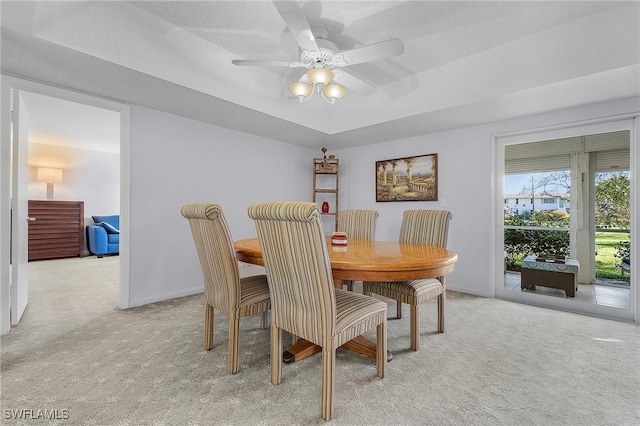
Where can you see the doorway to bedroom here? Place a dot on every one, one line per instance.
(82, 143)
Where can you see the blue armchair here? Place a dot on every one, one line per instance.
(103, 236)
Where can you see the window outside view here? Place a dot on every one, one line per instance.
(537, 218)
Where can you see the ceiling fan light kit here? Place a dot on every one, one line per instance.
(300, 90)
(320, 76)
(321, 81)
(333, 92)
(321, 56)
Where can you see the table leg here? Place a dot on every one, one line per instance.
(364, 346)
(304, 348)
(300, 350)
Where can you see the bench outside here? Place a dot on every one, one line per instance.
(563, 276)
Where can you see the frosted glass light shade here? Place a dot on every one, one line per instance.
(298, 88)
(46, 174)
(320, 75)
(334, 91)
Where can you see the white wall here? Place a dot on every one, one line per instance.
(175, 161)
(465, 185)
(87, 175)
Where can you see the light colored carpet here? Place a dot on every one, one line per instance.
(499, 363)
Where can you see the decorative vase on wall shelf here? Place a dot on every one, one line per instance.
(325, 207)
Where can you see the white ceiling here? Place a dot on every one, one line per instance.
(464, 63)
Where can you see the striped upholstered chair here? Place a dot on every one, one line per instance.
(358, 225)
(224, 290)
(303, 299)
(425, 227)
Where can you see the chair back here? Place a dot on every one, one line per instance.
(425, 227)
(216, 253)
(297, 264)
(357, 224)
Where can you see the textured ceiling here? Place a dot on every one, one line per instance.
(464, 63)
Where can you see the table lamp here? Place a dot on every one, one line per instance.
(51, 176)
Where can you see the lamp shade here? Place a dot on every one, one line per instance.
(320, 75)
(46, 174)
(334, 91)
(299, 88)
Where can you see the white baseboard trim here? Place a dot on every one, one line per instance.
(166, 296)
(468, 291)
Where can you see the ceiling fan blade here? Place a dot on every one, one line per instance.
(353, 83)
(300, 30)
(373, 52)
(265, 63)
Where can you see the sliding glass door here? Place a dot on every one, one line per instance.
(565, 222)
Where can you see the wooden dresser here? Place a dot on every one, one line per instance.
(58, 229)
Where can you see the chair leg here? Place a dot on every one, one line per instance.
(207, 343)
(264, 320)
(328, 375)
(234, 345)
(349, 284)
(365, 288)
(399, 310)
(381, 349)
(441, 312)
(276, 355)
(414, 329)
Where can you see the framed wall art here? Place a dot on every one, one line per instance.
(407, 179)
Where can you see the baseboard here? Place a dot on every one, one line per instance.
(468, 291)
(164, 297)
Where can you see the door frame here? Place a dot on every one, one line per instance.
(629, 122)
(19, 292)
(9, 84)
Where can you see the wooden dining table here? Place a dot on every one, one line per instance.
(365, 260)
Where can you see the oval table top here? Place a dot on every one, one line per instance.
(365, 260)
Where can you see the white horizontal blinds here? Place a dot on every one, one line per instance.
(612, 161)
(611, 151)
(607, 141)
(541, 156)
(547, 148)
(537, 164)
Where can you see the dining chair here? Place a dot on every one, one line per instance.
(304, 300)
(424, 227)
(358, 225)
(224, 290)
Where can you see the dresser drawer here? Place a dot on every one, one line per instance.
(58, 229)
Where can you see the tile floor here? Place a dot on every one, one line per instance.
(617, 297)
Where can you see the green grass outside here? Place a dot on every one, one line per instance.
(606, 262)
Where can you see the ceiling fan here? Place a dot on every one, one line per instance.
(324, 61)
